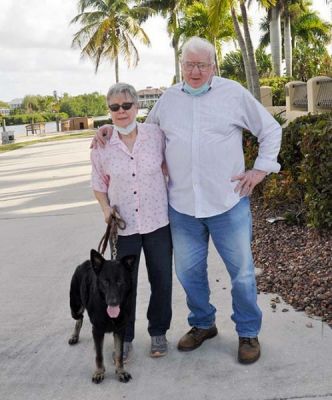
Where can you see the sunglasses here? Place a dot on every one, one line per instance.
(124, 106)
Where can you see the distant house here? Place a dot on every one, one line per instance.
(4, 111)
(76, 123)
(15, 103)
(148, 96)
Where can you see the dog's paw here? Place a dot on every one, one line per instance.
(123, 376)
(98, 375)
(73, 340)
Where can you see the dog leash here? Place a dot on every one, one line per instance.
(115, 222)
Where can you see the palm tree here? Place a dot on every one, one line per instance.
(196, 21)
(243, 49)
(284, 11)
(244, 41)
(288, 38)
(170, 9)
(251, 52)
(275, 37)
(109, 29)
(220, 7)
(310, 28)
(232, 66)
(299, 23)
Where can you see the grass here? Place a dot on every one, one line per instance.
(15, 146)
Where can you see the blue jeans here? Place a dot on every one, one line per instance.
(231, 235)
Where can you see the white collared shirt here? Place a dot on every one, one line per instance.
(204, 144)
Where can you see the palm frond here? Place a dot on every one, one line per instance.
(109, 28)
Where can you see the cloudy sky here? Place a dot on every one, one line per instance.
(36, 55)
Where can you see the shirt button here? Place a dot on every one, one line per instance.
(135, 192)
(131, 158)
(133, 174)
(136, 210)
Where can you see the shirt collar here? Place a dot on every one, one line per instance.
(115, 139)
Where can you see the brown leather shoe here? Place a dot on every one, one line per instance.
(195, 337)
(249, 350)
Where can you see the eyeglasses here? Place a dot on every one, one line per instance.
(202, 66)
(124, 106)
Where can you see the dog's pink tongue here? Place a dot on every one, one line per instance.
(113, 312)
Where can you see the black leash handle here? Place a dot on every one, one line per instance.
(115, 222)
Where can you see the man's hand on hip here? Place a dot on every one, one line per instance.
(248, 180)
(102, 134)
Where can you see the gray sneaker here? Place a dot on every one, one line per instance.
(127, 352)
(158, 346)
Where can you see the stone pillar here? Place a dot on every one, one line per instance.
(266, 96)
(313, 89)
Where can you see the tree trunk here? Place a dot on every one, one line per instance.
(288, 44)
(216, 58)
(251, 54)
(117, 69)
(242, 48)
(176, 59)
(275, 40)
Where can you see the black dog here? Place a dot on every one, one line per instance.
(103, 288)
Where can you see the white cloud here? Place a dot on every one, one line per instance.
(37, 58)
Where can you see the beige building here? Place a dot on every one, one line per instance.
(4, 111)
(76, 123)
(15, 104)
(148, 96)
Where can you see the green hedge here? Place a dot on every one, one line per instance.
(278, 89)
(316, 170)
(303, 188)
(101, 122)
(19, 119)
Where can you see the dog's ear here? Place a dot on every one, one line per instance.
(97, 261)
(128, 261)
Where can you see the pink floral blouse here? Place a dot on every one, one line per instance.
(134, 181)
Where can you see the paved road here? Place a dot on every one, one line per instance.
(49, 221)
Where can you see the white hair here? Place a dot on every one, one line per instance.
(196, 45)
(123, 88)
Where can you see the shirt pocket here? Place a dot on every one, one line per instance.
(119, 167)
(150, 159)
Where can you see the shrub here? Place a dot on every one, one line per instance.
(278, 89)
(101, 122)
(303, 189)
(280, 118)
(141, 118)
(18, 119)
(316, 171)
(281, 192)
(250, 144)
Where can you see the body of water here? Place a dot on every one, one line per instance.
(20, 129)
(50, 127)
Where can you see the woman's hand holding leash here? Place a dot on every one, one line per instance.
(114, 223)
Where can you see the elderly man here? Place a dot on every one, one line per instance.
(203, 119)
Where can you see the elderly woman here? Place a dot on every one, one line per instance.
(127, 172)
